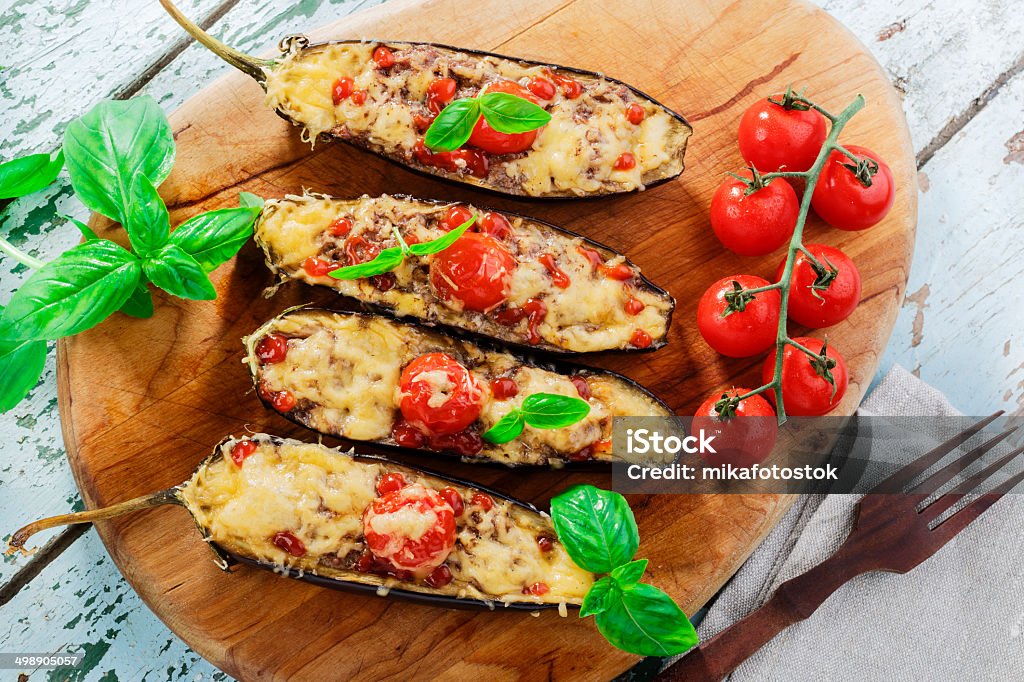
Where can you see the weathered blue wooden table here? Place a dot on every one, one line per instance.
(958, 64)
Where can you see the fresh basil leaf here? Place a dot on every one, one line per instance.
(215, 236)
(630, 573)
(74, 291)
(21, 365)
(594, 601)
(507, 428)
(28, 174)
(179, 274)
(643, 620)
(83, 228)
(146, 219)
(386, 261)
(113, 142)
(596, 527)
(140, 303)
(553, 411)
(442, 243)
(507, 113)
(453, 126)
(250, 200)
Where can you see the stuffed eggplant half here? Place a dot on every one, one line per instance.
(370, 378)
(603, 136)
(362, 522)
(512, 278)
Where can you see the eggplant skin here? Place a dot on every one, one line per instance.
(318, 494)
(342, 372)
(574, 156)
(590, 313)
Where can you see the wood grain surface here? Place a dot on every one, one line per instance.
(143, 401)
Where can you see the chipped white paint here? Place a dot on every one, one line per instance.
(942, 54)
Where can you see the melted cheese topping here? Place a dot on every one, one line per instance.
(320, 494)
(589, 315)
(574, 154)
(344, 372)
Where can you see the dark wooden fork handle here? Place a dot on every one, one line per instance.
(795, 600)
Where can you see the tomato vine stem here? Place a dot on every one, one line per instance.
(782, 338)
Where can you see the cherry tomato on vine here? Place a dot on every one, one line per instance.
(475, 270)
(744, 433)
(390, 519)
(773, 137)
(806, 388)
(822, 298)
(757, 222)
(439, 395)
(843, 200)
(739, 325)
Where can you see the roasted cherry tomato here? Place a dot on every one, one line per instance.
(822, 299)
(472, 161)
(490, 140)
(454, 217)
(389, 483)
(475, 270)
(341, 90)
(495, 225)
(772, 137)
(541, 87)
(626, 161)
(289, 542)
(512, 88)
(635, 113)
(842, 199)
(272, 349)
(744, 433)
(384, 57)
(742, 332)
(806, 388)
(757, 223)
(241, 450)
(412, 529)
(504, 388)
(439, 395)
(439, 93)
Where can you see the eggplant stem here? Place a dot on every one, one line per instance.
(245, 63)
(161, 497)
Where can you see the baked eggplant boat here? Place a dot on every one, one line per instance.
(362, 522)
(604, 136)
(371, 378)
(515, 279)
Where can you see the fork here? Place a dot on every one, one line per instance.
(892, 531)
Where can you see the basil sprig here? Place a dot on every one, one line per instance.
(503, 111)
(541, 411)
(390, 258)
(116, 155)
(599, 532)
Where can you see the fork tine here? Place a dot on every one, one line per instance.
(946, 473)
(960, 519)
(899, 480)
(944, 502)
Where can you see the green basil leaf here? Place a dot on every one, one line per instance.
(19, 177)
(74, 291)
(386, 261)
(508, 113)
(250, 200)
(146, 219)
(596, 527)
(83, 228)
(595, 600)
(442, 243)
(21, 365)
(453, 126)
(113, 142)
(507, 428)
(553, 411)
(215, 236)
(643, 620)
(179, 274)
(630, 573)
(140, 303)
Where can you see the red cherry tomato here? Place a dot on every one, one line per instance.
(412, 529)
(272, 349)
(439, 395)
(384, 57)
(317, 267)
(472, 161)
(490, 140)
(407, 435)
(740, 333)
(743, 438)
(475, 270)
(831, 305)
(634, 306)
(842, 200)
(495, 225)
(772, 137)
(504, 388)
(640, 339)
(441, 576)
(541, 87)
(635, 113)
(340, 227)
(283, 401)
(805, 390)
(358, 97)
(582, 386)
(288, 542)
(571, 87)
(439, 93)
(482, 500)
(389, 483)
(754, 224)
(626, 161)
(454, 499)
(454, 217)
(341, 90)
(241, 450)
(464, 443)
(511, 88)
(537, 589)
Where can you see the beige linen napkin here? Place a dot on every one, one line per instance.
(958, 616)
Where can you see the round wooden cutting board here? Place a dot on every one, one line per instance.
(142, 401)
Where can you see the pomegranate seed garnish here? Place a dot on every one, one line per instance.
(272, 348)
(283, 401)
(626, 161)
(635, 113)
(341, 227)
(582, 387)
(287, 542)
(341, 90)
(485, 502)
(454, 499)
(384, 57)
(389, 483)
(640, 339)
(634, 306)
(441, 576)
(504, 388)
(241, 450)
